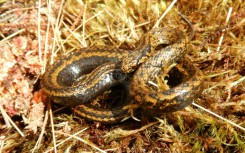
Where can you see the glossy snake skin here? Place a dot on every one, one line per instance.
(83, 75)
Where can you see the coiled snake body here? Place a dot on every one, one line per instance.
(83, 75)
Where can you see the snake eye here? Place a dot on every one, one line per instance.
(119, 75)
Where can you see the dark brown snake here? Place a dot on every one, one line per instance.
(83, 75)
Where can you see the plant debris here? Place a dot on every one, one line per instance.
(35, 32)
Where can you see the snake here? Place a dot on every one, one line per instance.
(81, 76)
(176, 97)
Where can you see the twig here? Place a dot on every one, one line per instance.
(226, 22)
(163, 15)
(82, 140)
(66, 140)
(220, 117)
(5, 115)
(42, 132)
(52, 126)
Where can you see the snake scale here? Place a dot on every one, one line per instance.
(83, 75)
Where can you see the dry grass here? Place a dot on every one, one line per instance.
(30, 34)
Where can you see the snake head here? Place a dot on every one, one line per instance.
(163, 36)
(129, 64)
(134, 59)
